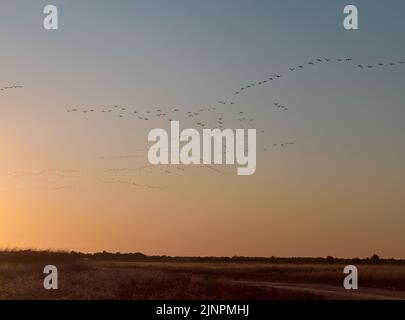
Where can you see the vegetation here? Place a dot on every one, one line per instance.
(137, 276)
(45, 255)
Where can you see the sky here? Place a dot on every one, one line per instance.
(81, 181)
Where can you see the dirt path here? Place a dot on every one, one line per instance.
(331, 292)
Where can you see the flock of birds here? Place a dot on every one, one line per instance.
(112, 176)
(208, 117)
(11, 88)
(220, 115)
(381, 64)
(274, 77)
(121, 112)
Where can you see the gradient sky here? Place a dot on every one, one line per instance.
(339, 190)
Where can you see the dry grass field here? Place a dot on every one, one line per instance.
(86, 279)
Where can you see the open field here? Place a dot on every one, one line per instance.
(86, 279)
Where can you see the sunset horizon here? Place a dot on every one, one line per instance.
(229, 128)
